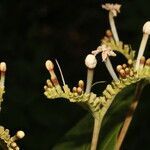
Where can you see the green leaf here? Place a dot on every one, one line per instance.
(110, 140)
(79, 137)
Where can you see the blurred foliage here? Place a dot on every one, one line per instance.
(32, 32)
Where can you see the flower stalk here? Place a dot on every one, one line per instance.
(90, 74)
(90, 62)
(113, 27)
(106, 52)
(2, 80)
(113, 9)
(111, 70)
(3, 71)
(146, 32)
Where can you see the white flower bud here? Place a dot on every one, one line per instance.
(3, 66)
(13, 144)
(17, 148)
(20, 134)
(49, 65)
(90, 61)
(146, 27)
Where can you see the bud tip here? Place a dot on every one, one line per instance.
(49, 65)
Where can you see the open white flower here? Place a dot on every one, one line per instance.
(106, 51)
(114, 8)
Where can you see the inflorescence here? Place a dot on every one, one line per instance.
(133, 71)
(6, 141)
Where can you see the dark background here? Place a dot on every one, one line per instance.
(32, 32)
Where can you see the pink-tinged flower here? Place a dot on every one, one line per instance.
(106, 51)
(114, 8)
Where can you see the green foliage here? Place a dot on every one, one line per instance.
(79, 136)
(31, 32)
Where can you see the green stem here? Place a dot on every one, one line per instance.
(96, 131)
(97, 121)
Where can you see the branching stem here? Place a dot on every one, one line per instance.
(97, 120)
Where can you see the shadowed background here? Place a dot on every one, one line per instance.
(32, 32)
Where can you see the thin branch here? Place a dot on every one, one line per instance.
(129, 116)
